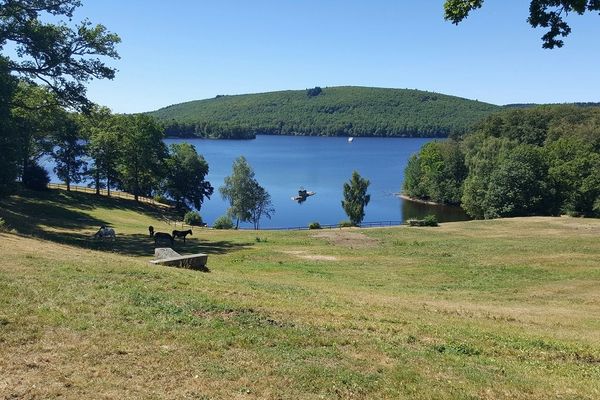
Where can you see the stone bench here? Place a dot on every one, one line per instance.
(168, 257)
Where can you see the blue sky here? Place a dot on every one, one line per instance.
(184, 50)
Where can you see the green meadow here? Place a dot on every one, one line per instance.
(498, 309)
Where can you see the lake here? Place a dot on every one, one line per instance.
(283, 164)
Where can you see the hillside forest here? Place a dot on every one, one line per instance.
(519, 162)
(334, 111)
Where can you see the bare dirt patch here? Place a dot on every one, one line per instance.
(347, 238)
(307, 256)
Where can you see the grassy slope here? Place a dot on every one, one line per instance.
(359, 111)
(482, 309)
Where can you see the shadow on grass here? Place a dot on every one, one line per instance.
(83, 201)
(28, 213)
(141, 245)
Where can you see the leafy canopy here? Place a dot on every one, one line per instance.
(356, 198)
(186, 171)
(61, 56)
(542, 13)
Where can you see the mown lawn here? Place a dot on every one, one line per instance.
(474, 310)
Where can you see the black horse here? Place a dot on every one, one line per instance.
(158, 236)
(183, 234)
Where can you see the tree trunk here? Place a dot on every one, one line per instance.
(97, 182)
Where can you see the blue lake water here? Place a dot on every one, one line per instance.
(321, 164)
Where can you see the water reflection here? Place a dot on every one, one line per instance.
(443, 213)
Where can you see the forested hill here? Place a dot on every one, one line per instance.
(336, 111)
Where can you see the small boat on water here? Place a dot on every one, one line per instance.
(350, 139)
(303, 194)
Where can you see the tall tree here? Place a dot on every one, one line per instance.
(9, 154)
(142, 153)
(238, 189)
(542, 13)
(261, 204)
(185, 179)
(68, 151)
(63, 57)
(44, 46)
(103, 133)
(35, 116)
(356, 198)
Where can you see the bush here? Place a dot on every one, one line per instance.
(35, 177)
(193, 218)
(3, 227)
(346, 224)
(223, 222)
(314, 225)
(430, 220)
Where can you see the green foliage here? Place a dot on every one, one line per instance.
(261, 204)
(346, 224)
(223, 222)
(429, 220)
(50, 50)
(542, 13)
(237, 188)
(3, 226)
(314, 91)
(543, 160)
(356, 198)
(8, 138)
(336, 111)
(248, 201)
(68, 151)
(186, 171)
(142, 153)
(193, 218)
(35, 177)
(103, 132)
(436, 173)
(314, 225)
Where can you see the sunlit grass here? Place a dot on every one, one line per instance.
(482, 309)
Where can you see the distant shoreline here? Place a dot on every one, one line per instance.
(417, 200)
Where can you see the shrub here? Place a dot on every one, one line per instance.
(223, 222)
(192, 218)
(35, 177)
(314, 225)
(430, 220)
(346, 224)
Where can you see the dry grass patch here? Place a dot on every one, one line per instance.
(305, 255)
(347, 237)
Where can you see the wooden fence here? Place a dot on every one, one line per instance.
(113, 193)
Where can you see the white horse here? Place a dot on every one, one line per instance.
(105, 232)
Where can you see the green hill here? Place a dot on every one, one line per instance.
(336, 111)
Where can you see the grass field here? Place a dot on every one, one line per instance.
(498, 309)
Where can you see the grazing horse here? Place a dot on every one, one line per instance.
(158, 236)
(105, 232)
(183, 234)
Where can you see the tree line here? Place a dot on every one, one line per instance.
(124, 152)
(335, 111)
(538, 161)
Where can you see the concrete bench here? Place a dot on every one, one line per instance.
(168, 257)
